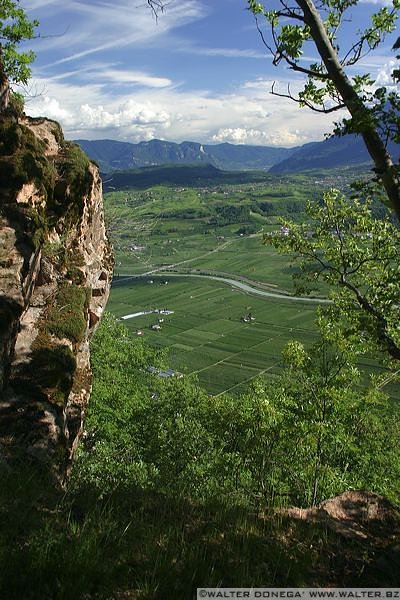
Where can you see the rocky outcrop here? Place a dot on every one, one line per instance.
(55, 272)
(355, 514)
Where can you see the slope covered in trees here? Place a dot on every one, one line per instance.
(112, 155)
(173, 489)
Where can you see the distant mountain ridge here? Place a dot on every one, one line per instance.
(347, 151)
(115, 155)
(199, 175)
(333, 152)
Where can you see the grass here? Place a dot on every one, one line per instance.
(66, 316)
(205, 335)
(181, 228)
(148, 546)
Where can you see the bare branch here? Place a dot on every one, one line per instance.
(357, 53)
(157, 6)
(296, 67)
(264, 41)
(278, 55)
(290, 12)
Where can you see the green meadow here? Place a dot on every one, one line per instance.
(206, 334)
(215, 227)
(165, 233)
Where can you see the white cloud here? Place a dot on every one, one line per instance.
(131, 113)
(246, 115)
(225, 52)
(384, 76)
(117, 25)
(260, 84)
(51, 108)
(109, 73)
(378, 2)
(38, 4)
(130, 118)
(131, 77)
(241, 135)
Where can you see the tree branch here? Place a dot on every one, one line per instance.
(324, 109)
(381, 322)
(360, 113)
(156, 6)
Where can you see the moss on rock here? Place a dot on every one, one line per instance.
(23, 159)
(66, 316)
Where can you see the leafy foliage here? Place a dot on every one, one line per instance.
(299, 441)
(332, 83)
(334, 424)
(343, 245)
(291, 29)
(15, 27)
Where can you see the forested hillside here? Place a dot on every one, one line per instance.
(112, 154)
(348, 151)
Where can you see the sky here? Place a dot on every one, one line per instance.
(107, 69)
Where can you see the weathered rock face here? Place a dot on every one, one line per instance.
(55, 273)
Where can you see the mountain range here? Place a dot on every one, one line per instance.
(333, 152)
(111, 155)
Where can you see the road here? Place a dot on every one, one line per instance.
(244, 287)
(232, 282)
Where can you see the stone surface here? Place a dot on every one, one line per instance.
(41, 411)
(355, 514)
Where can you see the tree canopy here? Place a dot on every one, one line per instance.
(343, 245)
(330, 83)
(15, 27)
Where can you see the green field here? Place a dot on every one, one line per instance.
(206, 336)
(217, 229)
(166, 231)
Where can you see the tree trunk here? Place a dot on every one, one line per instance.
(4, 86)
(377, 150)
(4, 93)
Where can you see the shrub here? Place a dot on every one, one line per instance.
(296, 441)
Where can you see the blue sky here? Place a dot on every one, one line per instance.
(107, 69)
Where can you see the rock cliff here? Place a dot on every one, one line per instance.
(55, 272)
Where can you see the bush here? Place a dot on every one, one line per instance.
(297, 441)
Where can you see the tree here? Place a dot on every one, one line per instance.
(329, 85)
(301, 437)
(14, 64)
(344, 246)
(335, 435)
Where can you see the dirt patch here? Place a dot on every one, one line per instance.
(355, 514)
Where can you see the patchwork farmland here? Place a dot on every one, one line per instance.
(206, 334)
(216, 231)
